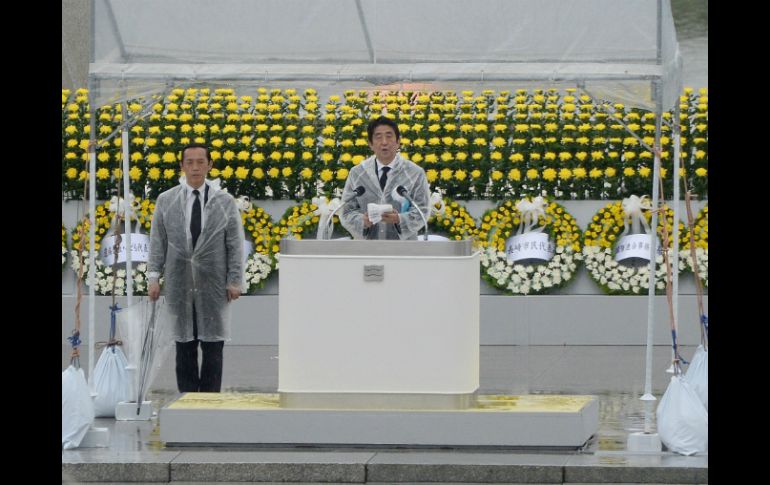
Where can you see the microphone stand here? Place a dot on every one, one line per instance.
(402, 192)
(330, 223)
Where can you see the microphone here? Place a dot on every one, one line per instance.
(401, 190)
(358, 192)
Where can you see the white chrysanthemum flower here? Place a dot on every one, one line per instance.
(258, 268)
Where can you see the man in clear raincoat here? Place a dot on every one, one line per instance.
(196, 244)
(381, 175)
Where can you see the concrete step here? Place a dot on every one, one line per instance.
(402, 466)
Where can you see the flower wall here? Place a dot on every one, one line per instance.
(495, 145)
(285, 144)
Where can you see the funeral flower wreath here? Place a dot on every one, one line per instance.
(301, 221)
(258, 229)
(498, 224)
(601, 238)
(141, 212)
(701, 232)
(450, 218)
(64, 249)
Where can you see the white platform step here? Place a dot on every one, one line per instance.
(528, 421)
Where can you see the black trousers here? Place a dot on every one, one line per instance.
(209, 379)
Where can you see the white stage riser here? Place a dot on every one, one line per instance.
(504, 320)
(408, 428)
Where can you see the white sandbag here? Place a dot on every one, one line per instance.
(77, 408)
(698, 375)
(683, 422)
(110, 381)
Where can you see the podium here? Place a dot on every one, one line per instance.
(378, 324)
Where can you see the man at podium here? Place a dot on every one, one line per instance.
(386, 196)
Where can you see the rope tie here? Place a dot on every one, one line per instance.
(75, 354)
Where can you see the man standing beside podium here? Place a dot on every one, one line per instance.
(196, 242)
(382, 177)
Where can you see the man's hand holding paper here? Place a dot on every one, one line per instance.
(381, 212)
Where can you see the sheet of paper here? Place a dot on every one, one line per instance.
(375, 211)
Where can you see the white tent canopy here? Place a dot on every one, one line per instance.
(618, 49)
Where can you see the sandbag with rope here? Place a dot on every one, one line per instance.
(698, 372)
(110, 379)
(77, 408)
(682, 419)
(698, 375)
(111, 382)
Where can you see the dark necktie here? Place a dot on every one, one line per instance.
(195, 218)
(384, 177)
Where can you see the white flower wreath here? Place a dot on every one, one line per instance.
(496, 227)
(258, 267)
(141, 211)
(104, 277)
(613, 277)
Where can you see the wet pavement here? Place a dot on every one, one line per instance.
(613, 373)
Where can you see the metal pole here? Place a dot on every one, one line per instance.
(91, 236)
(648, 398)
(127, 210)
(675, 229)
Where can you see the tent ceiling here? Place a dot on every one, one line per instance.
(370, 42)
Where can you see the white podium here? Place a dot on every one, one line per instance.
(378, 324)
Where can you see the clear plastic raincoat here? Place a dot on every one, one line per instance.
(407, 174)
(201, 275)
